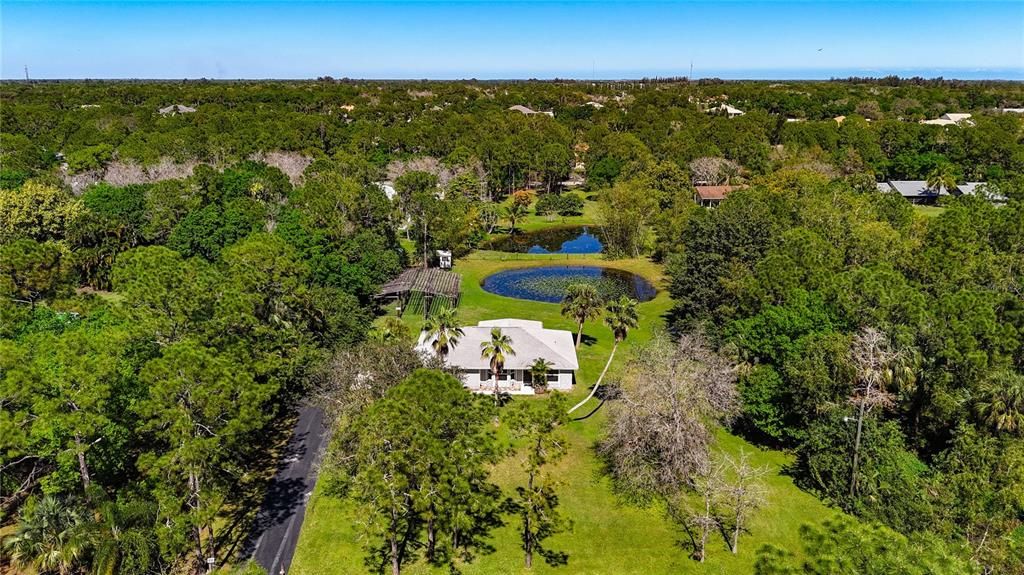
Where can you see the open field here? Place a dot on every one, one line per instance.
(609, 535)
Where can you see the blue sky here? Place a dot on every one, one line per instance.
(275, 39)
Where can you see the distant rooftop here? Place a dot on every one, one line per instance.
(528, 111)
(950, 119)
(715, 192)
(176, 109)
(729, 110)
(916, 189)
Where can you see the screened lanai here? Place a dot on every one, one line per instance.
(423, 290)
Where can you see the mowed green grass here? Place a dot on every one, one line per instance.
(929, 211)
(608, 535)
(533, 222)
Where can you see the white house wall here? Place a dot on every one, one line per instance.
(564, 382)
(476, 381)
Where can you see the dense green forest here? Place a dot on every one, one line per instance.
(176, 282)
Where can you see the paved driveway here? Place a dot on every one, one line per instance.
(276, 531)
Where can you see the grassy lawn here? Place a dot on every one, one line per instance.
(533, 222)
(608, 535)
(929, 211)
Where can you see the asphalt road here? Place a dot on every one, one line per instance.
(276, 532)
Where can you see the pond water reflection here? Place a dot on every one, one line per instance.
(560, 240)
(548, 283)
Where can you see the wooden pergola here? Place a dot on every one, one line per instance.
(426, 288)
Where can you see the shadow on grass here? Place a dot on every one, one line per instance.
(609, 391)
(592, 412)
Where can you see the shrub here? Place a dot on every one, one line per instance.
(563, 205)
(547, 204)
(91, 158)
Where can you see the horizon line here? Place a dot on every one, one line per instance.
(667, 77)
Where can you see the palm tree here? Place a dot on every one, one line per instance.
(621, 316)
(539, 372)
(514, 213)
(51, 538)
(581, 302)
(942, 177)
(444, 329)
(123, 538)
(495, 350)
(1002, 403)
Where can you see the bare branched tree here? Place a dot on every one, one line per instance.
(658, 435)
(709, 171)
(354, 378)
(445, 173)
(293, 164)
(698, 516)
(874, 361)
(741, 495)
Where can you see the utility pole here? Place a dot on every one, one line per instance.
(690, 77)
(26, 72)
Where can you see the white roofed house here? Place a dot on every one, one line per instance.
(730, 111)
(956, 117)
(530, 341)
(388, 188)
(951, 119)
(528, 111)
(175, 109)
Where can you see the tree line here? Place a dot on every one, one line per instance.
(153, 338)
(880, 346)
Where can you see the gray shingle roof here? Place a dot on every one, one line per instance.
(916, 189)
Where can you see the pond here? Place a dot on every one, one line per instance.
(548, 283)
(559, 240)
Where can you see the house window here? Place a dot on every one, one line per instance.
(485, 374)
(503, 375)
(553, 377)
